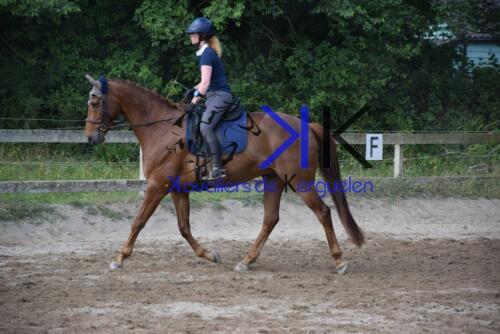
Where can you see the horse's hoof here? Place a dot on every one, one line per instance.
(241, 267)
(115, 265)
(215, 256)
(341, 268)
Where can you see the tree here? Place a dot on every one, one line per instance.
(345, 54)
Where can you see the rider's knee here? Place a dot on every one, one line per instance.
(205, 129)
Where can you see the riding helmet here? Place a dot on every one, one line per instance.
(202, 26)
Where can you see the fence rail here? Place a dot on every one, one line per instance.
(385, 185)
(61, 136)
(391, 138)
(398, 139)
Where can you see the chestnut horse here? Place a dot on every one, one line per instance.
(159, 124)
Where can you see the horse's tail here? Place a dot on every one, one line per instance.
(332, 176)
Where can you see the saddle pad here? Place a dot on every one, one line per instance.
(232, 136)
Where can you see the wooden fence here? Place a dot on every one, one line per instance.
(77, 136)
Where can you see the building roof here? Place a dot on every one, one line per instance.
(478, 36)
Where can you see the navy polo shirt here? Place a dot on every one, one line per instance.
(218, 80)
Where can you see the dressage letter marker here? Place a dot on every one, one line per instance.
(374, 146)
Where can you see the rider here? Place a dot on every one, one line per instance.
(213, 87)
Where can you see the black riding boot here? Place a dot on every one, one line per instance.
(216, 171)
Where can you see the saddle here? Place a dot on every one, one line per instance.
(231, 132)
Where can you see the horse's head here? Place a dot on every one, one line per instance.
(101, 111)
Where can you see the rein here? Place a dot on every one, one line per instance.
(132, 126)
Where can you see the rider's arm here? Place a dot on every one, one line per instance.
(202, 87)
(206, 73)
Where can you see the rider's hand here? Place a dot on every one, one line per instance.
(188, 94)
(195, 99)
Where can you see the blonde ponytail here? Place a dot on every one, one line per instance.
(214, 43)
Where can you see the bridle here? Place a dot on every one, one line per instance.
(104, 121)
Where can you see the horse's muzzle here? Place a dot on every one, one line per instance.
(96, 139)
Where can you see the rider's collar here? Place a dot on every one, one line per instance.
(203, 46)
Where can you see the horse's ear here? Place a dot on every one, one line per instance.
(94, 83)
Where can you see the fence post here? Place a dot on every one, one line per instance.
(141, 165)
(141, 170)
(398, 160)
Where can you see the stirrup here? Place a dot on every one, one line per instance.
(214, 173)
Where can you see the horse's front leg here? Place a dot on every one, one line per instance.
(181, 201)
(152, 197)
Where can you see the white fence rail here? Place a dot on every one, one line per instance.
(390, 138)
(77, 136)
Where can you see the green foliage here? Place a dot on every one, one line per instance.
(165, 21)
(220, 12)
(34, 8)
(117, 153)
(463, 16)
(344, 54)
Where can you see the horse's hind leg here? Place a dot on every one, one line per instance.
(271, 217)
(152, 197)
(322, 211)
(181, 201)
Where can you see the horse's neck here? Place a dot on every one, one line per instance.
(140, 110)
(153, 126)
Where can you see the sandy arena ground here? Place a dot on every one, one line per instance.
(429, 265)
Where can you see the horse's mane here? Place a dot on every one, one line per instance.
(150, 93)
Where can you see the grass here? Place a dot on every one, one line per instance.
(120, 161)
(75, 199)
(37, 208)
(84, 200)
(80, 171)
(35, 213)
(109, 213)
(216, 199)
(430, 160)
(68, 162)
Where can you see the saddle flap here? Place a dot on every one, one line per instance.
(232, 135)
(233, 111)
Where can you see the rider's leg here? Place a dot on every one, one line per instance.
(215, 105)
